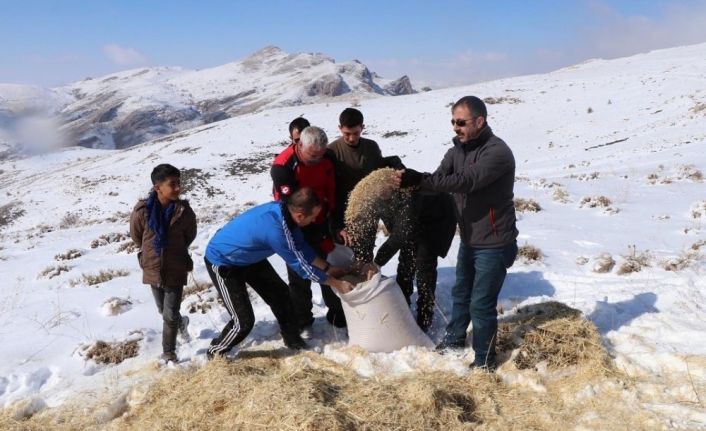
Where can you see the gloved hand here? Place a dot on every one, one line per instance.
(411, 178)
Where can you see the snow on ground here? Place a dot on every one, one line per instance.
(630, 130)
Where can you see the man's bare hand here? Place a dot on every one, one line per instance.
(343, 286)
(369, 270)
(345, 238)
(397, 178)
(336, 272)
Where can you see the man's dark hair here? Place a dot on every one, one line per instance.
(475, 106)
(303, 200)
(350, 117)
(299, 123)
(162, 172)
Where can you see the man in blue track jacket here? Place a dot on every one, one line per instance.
(237, 254)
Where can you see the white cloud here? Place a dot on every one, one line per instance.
(123, 56)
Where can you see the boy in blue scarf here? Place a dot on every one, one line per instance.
(163, 226)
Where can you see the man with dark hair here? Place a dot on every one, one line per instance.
(296, 127)
(237, 254)
(308, 163)
(479, 170)
(356, 157)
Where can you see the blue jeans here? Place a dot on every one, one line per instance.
(480, 274)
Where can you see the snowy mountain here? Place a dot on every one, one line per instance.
(611, 151)
(127, 108)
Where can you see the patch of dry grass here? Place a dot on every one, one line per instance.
(101, 277)
(603, 263)
(685, 260)
(555, 347)
(634, 262)
(527, 205)
(128, 247)
(109, 238)
(103, 352)
(561, 195)
(68, 255)
(598, 202)
(528, 254)
(54, 271)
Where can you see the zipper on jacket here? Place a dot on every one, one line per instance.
(492, 222)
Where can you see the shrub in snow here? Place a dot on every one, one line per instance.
(581, 260)
(698, 210)
(685, 260)
(54, 271)
(109, 238)
(68, 255)
(114, 306)
(527, 205)
(127, 247)
(698, 244)
(529, 253)
(103, 352)
(9, 213)
(101, 277)
(603, 263)
(598, 202)
(69, 220)
(634, 262)
(589, 110)
(690, 172)
(560, 195)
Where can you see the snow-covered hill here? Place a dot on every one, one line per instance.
(612, 151)
(127, 108)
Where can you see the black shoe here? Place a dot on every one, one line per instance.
(446, 347)
(306, 325)
(211, 356)
(489, 366)
(294, 341)
(169, 357)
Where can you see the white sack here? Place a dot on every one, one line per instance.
(379, 319)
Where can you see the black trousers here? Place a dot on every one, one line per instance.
(168, 300)
(230, 281)
(418, 260)
(300, 289)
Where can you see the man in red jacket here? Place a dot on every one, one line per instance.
(308, 163)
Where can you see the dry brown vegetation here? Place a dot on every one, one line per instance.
(529, 253)
(683, 261)
(103, 352)
(603, 263)
(554, 347)
(598, 202)
(634, 261)
(527, 205)
(101, 277)
(128, 247)
(560, 195)
(9, 213)
(68, 255)
(54, 271)
(109, 238)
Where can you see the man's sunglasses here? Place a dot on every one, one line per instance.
(460, 122)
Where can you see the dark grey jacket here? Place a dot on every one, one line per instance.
(481, 175)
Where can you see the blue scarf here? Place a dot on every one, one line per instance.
(158, 221)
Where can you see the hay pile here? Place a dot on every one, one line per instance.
(375, 197)
(552, 335)
(269, 390)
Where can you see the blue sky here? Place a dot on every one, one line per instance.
(436, 42)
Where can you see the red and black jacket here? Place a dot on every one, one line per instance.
(289, 174)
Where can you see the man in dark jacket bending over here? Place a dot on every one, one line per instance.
(479, 170)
